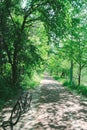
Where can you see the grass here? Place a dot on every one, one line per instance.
(31, 83)
(82, 90)
(59, 79)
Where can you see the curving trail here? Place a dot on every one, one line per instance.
(54, 108)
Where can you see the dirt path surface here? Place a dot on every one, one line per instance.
(54, 107)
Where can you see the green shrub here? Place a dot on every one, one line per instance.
(30, 82)
(82, 90)
(79, 89)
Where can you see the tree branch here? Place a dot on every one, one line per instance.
(32, 20)
(11, 17)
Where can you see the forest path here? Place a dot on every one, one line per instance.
(54, 107)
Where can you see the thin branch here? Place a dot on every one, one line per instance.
(34, 7)
(30, 11)
(11, 17)
(23, 23)
(32, 20)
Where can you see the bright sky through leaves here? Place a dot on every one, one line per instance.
(24, 3)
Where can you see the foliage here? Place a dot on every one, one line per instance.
(82, 90)
(72, 47)
(18, 21)
(38, 35)
(31, 83)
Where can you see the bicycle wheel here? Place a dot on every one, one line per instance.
(15, 114)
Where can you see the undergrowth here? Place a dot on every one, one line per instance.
(8, 92)
(82, 90)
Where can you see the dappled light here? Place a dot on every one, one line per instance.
(43, 59)
(66, 111)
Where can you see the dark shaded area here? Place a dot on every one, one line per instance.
(48, 94)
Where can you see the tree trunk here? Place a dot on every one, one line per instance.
(14, 74)
(71, 72)
(79, 76)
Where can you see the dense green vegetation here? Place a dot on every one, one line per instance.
(38, 35)
(71, 54)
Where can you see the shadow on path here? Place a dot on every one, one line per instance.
(54, 108)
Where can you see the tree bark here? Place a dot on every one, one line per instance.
(79, 76)
(71, 72)
(14, 74)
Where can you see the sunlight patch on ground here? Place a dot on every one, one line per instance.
(46, 81)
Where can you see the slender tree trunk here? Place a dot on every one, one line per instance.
(79, 75)
(71, 72)
(14, 74)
